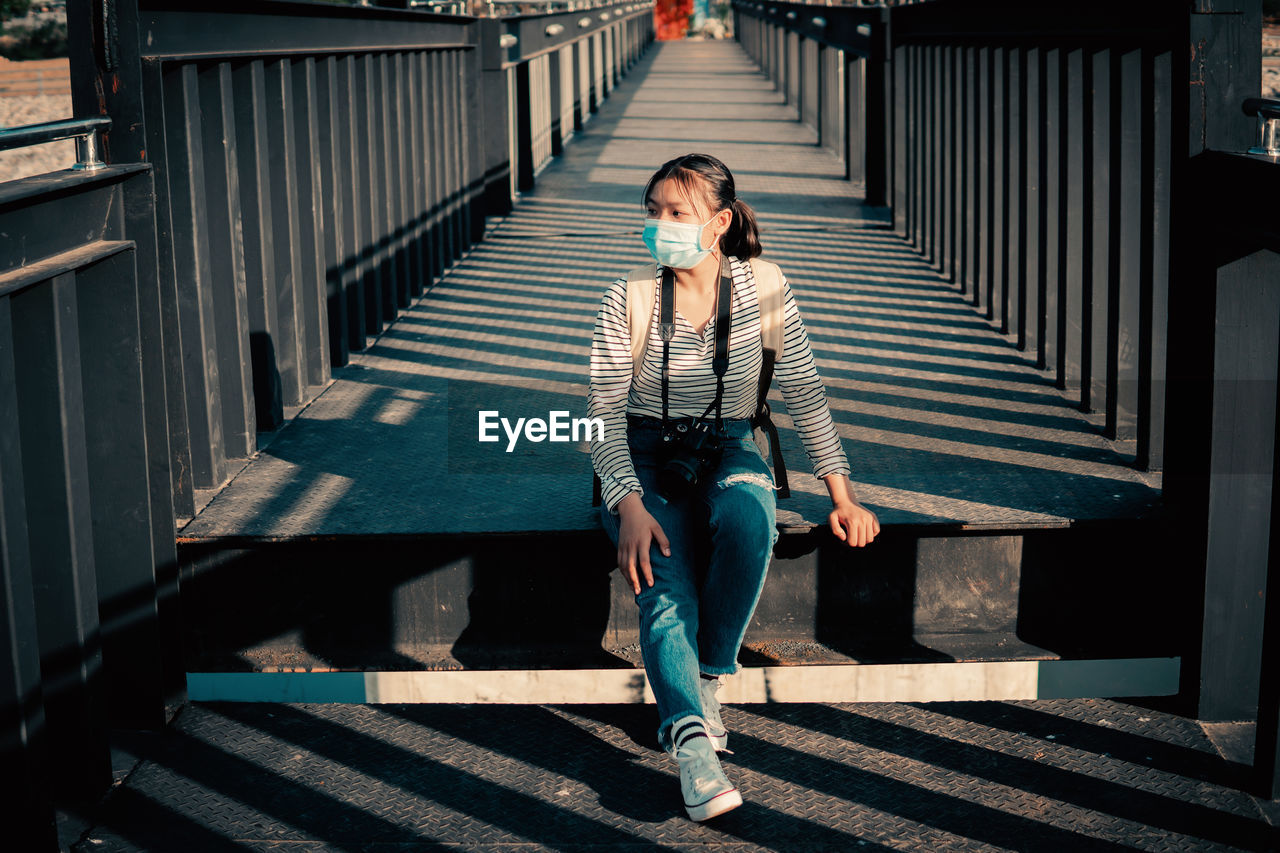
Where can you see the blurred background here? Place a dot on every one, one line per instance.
(35, 86)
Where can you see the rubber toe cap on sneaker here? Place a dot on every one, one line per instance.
(717, 805)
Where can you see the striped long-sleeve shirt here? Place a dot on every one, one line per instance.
(612, 393)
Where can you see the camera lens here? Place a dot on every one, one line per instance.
(677, 476)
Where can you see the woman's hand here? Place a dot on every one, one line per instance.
(637, 530)
(853, 523)
(850, 521)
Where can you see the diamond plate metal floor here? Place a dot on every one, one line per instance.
(1078, 775)
(944, 421)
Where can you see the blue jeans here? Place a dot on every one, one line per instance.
(696, 613)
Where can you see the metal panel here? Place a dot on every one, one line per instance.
(382, 182)
(415, 197)
(284, 355)
(970, 235)
(55, 467)
(402, 180)
(1034, 234)
(312, 221)
(448, 185)
(1016, 241)
(950, 175)
(793, 69)
(582, 102)
(555, 103)
(194, 301)
(810, 85)
(435, 165)
(1103, 218)
(460, 226)
(25, 753)
(472, 131)
(997, 278)
(983, 217)
(157, 340)
(607, 37)
(1135, 212)
(1242, 461)
(252, 268)
(329, 135)
(179, 436)
(1152, 371)
(351, 182)
(1077, 248)
(937, 157)
(369, 136)
(117, 468)
(916, 135)
(856, 129)
(565, 61)
(901, 57)
(522, 124)
(439, 159)
(540, 80)
(1055, 210)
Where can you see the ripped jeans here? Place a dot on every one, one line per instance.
(695, 615)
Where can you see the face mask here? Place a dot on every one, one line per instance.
(675, 244)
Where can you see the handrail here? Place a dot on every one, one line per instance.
(83, 130)
(551, 7)
(1267, 111)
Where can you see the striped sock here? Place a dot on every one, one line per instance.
(687, 729)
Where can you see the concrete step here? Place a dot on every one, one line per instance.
(416, 610)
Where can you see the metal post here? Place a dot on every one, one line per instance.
(87, 159)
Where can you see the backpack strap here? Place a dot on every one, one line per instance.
(642, 291)
(769, 293)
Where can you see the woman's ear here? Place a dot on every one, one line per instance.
(723, 220)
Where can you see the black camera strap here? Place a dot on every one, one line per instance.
(667, 330)
(724, 324)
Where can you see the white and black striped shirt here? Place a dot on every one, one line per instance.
(613, 395)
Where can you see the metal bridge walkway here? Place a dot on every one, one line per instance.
(1078, 776)
(946, 425)
(945, 422)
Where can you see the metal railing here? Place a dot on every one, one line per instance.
(502, 8)
(279, 181)
(86, 133)
(1037, 160)
(830, 63)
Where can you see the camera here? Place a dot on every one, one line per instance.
(694, 451)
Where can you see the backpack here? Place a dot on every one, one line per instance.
(642, 292)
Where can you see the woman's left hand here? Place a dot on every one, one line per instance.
(853, 523)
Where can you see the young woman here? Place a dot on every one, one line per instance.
(695, 525)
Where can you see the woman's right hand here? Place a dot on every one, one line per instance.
(637, 530)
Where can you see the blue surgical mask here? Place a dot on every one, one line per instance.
(675, 244)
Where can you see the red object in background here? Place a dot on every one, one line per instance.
(671, 18)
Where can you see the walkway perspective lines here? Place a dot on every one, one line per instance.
(944, 421)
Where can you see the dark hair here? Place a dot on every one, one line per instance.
(711, 179)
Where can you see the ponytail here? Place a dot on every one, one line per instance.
(742, 240)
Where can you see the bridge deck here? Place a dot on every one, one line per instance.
(945, 422)
(1070, 775)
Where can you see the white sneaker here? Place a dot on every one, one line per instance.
(707, 791)
(711, 712)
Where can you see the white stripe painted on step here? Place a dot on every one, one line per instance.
(914, 682)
